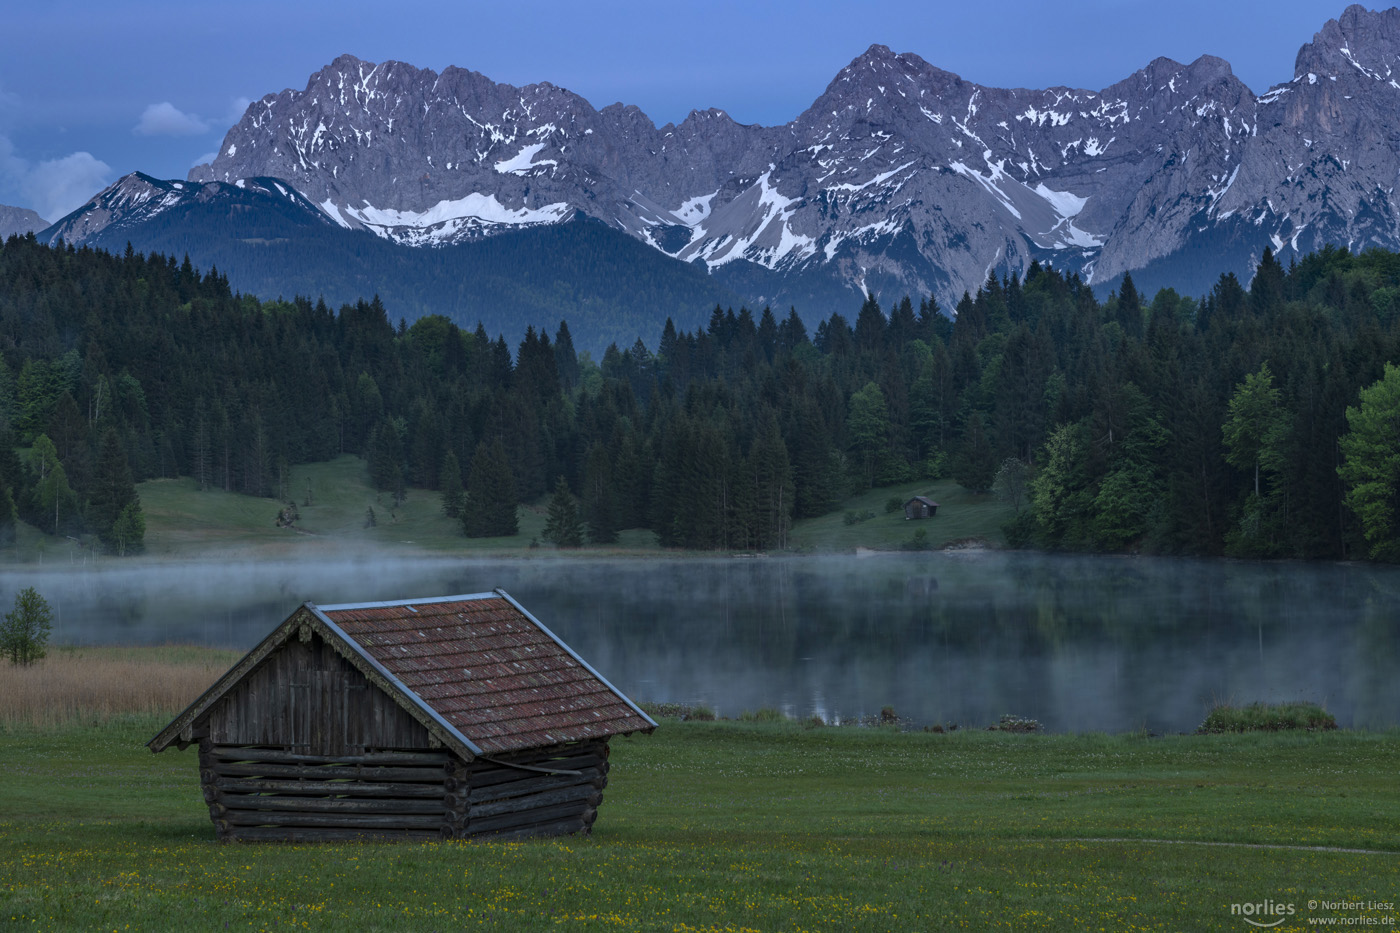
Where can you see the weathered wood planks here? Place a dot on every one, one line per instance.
(261, 793)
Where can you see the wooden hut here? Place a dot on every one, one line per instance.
(920, 507)
(455, 717)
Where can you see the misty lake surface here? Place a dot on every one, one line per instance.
(1080, 643)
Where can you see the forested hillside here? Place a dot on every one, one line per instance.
(1209, 426)
(603, 281)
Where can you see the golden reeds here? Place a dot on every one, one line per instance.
(95, 684)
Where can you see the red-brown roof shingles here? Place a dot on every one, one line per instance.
(490, 671)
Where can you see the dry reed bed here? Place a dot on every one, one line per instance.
(94, 684)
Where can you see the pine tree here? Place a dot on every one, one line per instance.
(1128, 311)
(385, 456)
(975, 467)
(8, 517)
(491, 505)
(599, 505)
(772, 487)
(565, 359)
(450, 478)
(112, 486)
(201, 452)
(563, 526)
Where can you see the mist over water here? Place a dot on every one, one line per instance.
(1079, 643)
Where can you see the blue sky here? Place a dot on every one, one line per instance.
(92, 90)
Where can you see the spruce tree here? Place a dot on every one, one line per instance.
(563, 527)
(772, 487)
(490, 506)
(112, 486)
(385, 456)
(450, 478)
(975, 467)
(599, 504)
(8, 517)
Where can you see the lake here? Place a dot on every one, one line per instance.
(1079, 643)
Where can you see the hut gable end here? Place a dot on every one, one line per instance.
(306, 697)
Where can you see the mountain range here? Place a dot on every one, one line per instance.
(901, 178)
(19, 220)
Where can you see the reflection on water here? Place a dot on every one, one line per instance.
(1080, 643)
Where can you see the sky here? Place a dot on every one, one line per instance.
(93, 89)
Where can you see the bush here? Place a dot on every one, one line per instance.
(767, 714)
(1262, 717)
(24, 633)
(919, 542)
(678, 711)
(1020, 531)
(855, 518)
(893, 504)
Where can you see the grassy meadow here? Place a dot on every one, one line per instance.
(736, 826)
(962, 517)
(182, 520)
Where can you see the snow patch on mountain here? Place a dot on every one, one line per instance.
(445, 220)
(524, 161)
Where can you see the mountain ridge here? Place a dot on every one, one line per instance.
(900, 178)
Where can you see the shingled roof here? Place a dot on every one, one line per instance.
(479, 671)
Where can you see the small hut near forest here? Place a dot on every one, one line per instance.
(920, 507)
(461, 716)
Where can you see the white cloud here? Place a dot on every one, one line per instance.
(58, 186)
(237, 109)
(205, 159)
(165, 119)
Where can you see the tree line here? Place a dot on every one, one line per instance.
(1233, 423)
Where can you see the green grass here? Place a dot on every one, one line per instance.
(745, 826)
(1266, 717)
(180, 518)
(962, 516)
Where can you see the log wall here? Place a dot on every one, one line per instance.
(283, 794)
(507, 801)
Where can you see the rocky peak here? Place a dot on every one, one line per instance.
(900, 172)
(19, 220)
(1361, 43)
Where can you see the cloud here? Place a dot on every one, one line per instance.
(58, 186)
(205, 159)
(237, 109)
(165, 119)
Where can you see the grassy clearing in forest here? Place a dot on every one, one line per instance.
(962, 516)
(745, 826)
(184, 521)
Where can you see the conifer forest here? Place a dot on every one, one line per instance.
(1257, 420)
